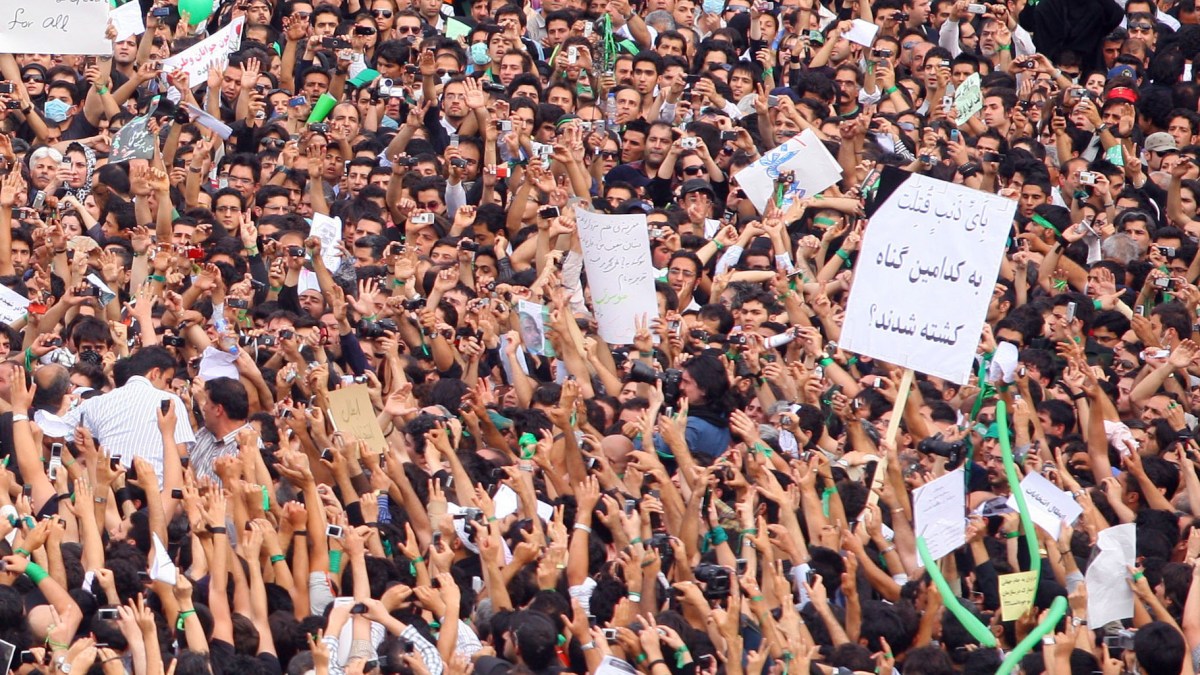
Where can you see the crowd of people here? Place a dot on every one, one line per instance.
(304, 370)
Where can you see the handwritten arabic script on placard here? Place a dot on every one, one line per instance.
(925, 276)
(616, 255)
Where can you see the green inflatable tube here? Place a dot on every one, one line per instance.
(1058, 609)
(969, 621)
(1014, 484)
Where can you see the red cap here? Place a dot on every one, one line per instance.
(1122, 94)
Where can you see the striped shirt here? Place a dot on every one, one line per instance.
(125, 422)
(208, 449)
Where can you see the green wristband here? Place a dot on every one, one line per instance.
(278, 558)
(35, 572)
(157, 277)
(335, 562)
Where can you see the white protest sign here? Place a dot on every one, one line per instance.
(128, 21)
(13, 306)
(813, 168)
(924, 277)
(1109, 596)
(213, 51)
(968, 99)
(862, 32)
(45, 27)
(329, 231)
(940, 513)
(1048, 505)
(616, 255)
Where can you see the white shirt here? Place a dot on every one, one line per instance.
(125, 422)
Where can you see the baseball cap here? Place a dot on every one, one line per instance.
(1160, 142)
(697, 185)
(1122, 94)
(1122, 70)
(627, 173)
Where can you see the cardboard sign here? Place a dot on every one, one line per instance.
(925, 275)
(47, 27)
(1016, 593)
(351, 412)
(214, 51)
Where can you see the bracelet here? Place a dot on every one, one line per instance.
(300, 533)
(585, 528)
(1004, 48)
(637, 597)
(18, 417)
(635, 540)
(157, 277)
(276, 289)
(1011, 535)
(278, 558)
(182, 616)
(719, 245)
(641, 658)
(335, 561)
(398, 282)
(655, 662)
(888, 550)
(757, 598)
(587, 646)
(218, 530)
(825, 362)
(23, 552)
(898, 509)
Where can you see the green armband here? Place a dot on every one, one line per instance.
(157, 277)
(276, 289)
(891, 90)
(278, 558)
(396, 283)
(825, 362)
(719, 245)
(335, 562)
(768, 72)
(1004, 48)
(35, 572)
(844, 255)
(20, 551)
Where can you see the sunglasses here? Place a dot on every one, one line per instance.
(430, 205)
(302, 15)
(693, 170)
(382, 13)
(408, 30)
(609, 154)
(32, 78)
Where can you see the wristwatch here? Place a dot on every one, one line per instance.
(61, 664)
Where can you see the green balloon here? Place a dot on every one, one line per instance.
(974, 626)
(198, 10)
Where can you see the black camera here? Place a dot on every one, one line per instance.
(406, 161)
(670, 378)
(413, 304)
(266, 341)
(953, 451)
(295, 251)
(468, 245)
(237, 303)
(716, 579)
(319, 128)
(738, 339)
(335, 43)
(373, 330)
(458, 162)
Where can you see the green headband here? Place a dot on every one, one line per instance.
(1045, 223)
(822, 220)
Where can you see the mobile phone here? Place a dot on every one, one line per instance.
(1162, 282)
(165, 405)
(6, 87)
(454, 140)
(1070, 311)
(364, 30)
(610, 635)
(993, 157)
(742, 566)
(334, 531)
(237, 303)
(39, 200)
(630, 506)
(423, 219)
(772, 101)
(548, 212)
(55, 461)
(108, 613)
(327, 455)
(1087, 178)
(319, 128)
(975, 8)
(176, 493)
(572, 55)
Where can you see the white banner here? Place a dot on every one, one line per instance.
(1049, 507)
(213, 51)
(616, 255)
(925, 275)
(812, 167)
(940, 513)
(46, 27)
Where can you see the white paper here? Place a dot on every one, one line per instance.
(1109, 596)
(968, 99)
(213, 51)
(106, 294)
(206, 120)
(611, 665)
(533, 327)
(1003, 368)
(805, 156)
(925, 275)
(862, 33)
(44, 27)
(13, 305)
(161, 567)
(127, 19)
(329, 231)
(215, 363)
(308, 282)
(505, 501)
(616, 255)
(940, 513)
(1048, 506)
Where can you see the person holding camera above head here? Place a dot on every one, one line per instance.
(704, 386)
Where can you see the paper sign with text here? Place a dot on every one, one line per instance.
(54, 27)
(128, 20)
(940, 513)
(13, 306)
(329, 231)
(1048, 505)
(1016, 593)
(351, 412)
(214, 51)
(1109, 596)
(924, 277)
(805, 156)
(616, 255)
(968, 99)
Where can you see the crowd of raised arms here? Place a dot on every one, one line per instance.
(303, 371)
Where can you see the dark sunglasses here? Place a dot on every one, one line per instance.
(32, 78)
(609, 154)
(382, 13)
(693, 170)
